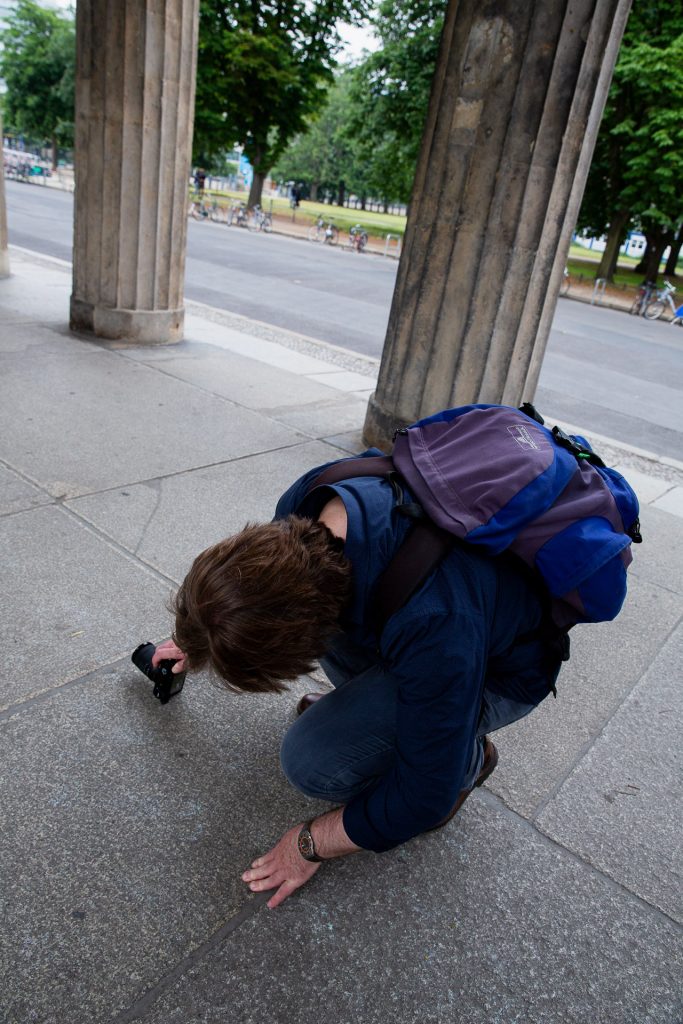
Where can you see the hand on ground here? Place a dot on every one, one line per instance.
(283, 868)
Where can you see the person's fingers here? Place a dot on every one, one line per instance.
(257, 872)
(179, 665)
(269, 882)
(285, 890)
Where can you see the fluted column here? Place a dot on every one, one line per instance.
(4, 254)
(516, 104)
(135, 83)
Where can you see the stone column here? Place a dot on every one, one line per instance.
(4, 253)
(516, 103)
(135, 83)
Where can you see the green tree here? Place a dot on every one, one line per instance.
(321, 157)
(37, 63)
(263, 70)
(638, 163)
(390, 97)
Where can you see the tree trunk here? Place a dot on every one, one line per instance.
(615, 236)
(656, 244)
(676, 245)
(55, 155)
(256, 190)
(342, 193)
(314, 191)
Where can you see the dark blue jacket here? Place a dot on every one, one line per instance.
(455, 634)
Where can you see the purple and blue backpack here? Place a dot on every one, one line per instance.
(497, 477)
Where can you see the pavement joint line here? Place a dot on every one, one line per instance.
(592, 740)
(157, 503)
(491, 798)
(86, 524)
(153, 480)
(190, 960)
(39, 697)
(660, 586)
(323, 345)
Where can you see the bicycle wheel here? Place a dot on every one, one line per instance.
(635, 309)
(362, 240)
(267, 224)
(333, 235)
(314, 234)
(655, 310)
(195, 212)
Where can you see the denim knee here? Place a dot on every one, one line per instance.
(298, 764)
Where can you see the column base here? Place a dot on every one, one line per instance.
(380, 425)
(136, 326)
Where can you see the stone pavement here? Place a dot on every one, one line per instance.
(553, 898)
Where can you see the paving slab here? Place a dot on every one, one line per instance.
(69, 601)
(167, 522)
(17, 494)
(339, 415)
(27, 279)
(81, 422)
(621, 808)
(124, 828)
(659, 558)
(243, 380)
(346, 380)
(672, 502)
(484, 922)
(201, 329)
(36, 338)
(608, 659)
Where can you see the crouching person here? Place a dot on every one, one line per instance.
(401, 740)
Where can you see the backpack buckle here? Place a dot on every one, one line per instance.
(579, 451)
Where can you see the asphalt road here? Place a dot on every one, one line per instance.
(616, 375)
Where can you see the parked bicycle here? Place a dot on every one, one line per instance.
(200, 208)
(238, 215)
(358, 238)
(328, 233)
(661, 302)
(643, 298)
(260, 220)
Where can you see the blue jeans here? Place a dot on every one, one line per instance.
(345, 741)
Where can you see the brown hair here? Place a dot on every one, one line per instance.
(261, 606)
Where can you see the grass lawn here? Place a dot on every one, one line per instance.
(584, 263)
(378, 224)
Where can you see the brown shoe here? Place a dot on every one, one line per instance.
(488, 766)
(307, 701)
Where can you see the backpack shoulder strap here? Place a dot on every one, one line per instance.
(374, 465)
(415, 560)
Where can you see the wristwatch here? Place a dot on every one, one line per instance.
(306, 844)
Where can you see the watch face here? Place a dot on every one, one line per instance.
(306, 847)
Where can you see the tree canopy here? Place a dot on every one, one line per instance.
(368, 135)
(263, 70)
(638, 162)
(37, 63)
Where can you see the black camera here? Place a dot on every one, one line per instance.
(166, 684)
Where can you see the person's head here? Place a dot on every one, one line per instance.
(261, 606)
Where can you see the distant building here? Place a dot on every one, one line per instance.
(633, 246)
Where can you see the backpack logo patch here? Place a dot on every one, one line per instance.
(525, 439)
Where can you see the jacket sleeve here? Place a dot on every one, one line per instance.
(440, 665)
